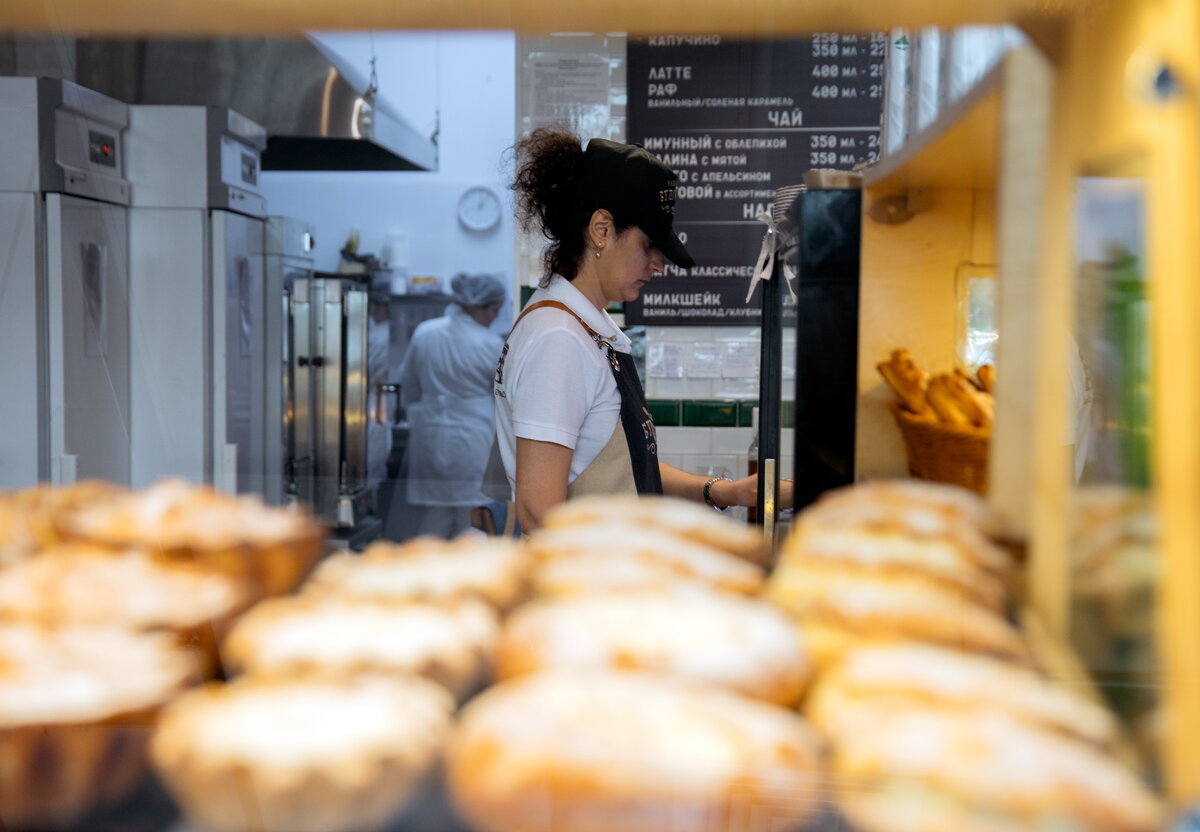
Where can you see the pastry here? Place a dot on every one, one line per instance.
(907, 380)
(271, 549)
(580, 751)
(301, 754)
(451, 645)
(743, 644)
(686, 519)
(804, 577)
(987, 377)
(29, 517)
(845, 612)
(957, 402)
(77, 705)
(874, 680)
(925, 770)
(591, 558)
(946, 404)
(951, 500)
(923, 536)
(87, 585)
(428, 569)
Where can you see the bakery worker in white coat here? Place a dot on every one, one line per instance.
(446, 384)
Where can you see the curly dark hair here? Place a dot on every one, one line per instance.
(546, 162)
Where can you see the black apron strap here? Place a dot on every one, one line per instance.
(638, 424)
(636, 421)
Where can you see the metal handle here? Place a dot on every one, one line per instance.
(381, 391)
(63, 469)
(228, 479)
(769, 480)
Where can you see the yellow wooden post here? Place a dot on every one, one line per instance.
(1174, 244)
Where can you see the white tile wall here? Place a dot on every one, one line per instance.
(727, 465)
(735, 333)
(697, 450)
(735, 388)
(731, 440)
(680, 388)
(685, 440)
(679, 333)
(696, 339)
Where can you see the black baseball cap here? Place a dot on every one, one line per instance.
(635, 186)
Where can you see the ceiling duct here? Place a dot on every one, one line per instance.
(316, 117)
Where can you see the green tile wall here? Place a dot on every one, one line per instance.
(665, 412)
(709, 414)
(712, 413)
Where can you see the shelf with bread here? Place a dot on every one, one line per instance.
(637, 664)
(1110, 581)
(955, 194)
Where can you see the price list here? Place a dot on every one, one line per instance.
(735, 120)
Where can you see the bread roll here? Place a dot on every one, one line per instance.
(428, 569)
(907, 381)
(683, 518)
(580, 751)
(743, 644)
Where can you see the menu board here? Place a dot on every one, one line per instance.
(735, 120)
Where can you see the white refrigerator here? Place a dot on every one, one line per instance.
(198, 303)
(64, 284)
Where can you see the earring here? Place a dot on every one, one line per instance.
(598, 250)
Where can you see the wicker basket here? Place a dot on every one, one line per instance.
(944, 453)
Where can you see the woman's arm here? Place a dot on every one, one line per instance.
(743, 492)
(543, 469)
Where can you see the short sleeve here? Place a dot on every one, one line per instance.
(552, 396)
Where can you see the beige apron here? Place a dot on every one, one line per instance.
(611, 472)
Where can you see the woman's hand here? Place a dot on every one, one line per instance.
(724, 493)
(743, 492)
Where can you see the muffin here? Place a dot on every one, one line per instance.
(87, 585)
(29, 518)
(301, 754)
(270, 549)
(77, 705)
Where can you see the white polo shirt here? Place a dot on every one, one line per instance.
(555, 383)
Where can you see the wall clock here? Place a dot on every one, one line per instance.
(479, 208)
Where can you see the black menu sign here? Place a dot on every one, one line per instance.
(736, 120)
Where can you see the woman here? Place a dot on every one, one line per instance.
(446, 382)
(571, 416)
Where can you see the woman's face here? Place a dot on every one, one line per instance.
(629, 263)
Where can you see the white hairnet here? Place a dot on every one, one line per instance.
(477, 289)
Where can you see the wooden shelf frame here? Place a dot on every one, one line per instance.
(969, 189)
